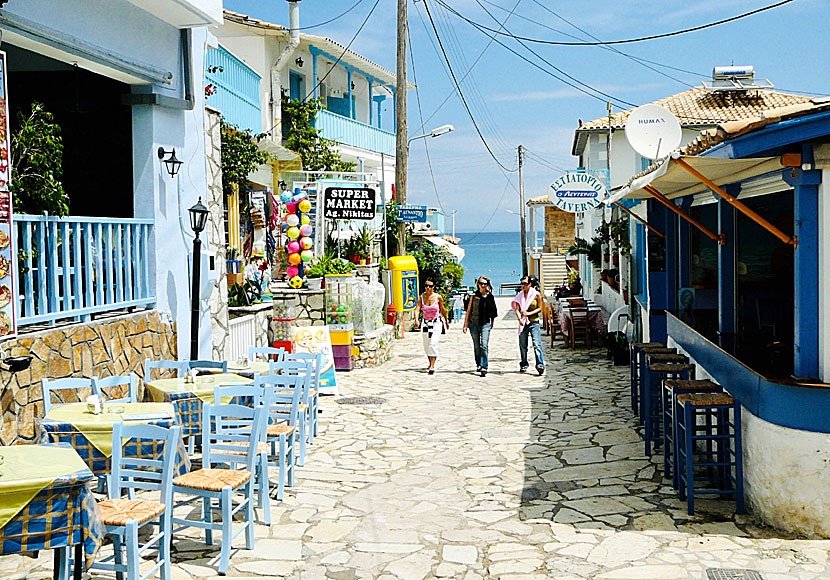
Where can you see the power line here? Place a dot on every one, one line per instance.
(460, 92)
(628, 40)
(341, 15)
(493, 214)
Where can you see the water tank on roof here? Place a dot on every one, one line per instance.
(722, 73)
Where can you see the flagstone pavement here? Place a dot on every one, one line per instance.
(511, 476)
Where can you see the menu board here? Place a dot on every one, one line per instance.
(8, 271)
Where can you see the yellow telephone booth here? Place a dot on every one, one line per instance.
(404, 271)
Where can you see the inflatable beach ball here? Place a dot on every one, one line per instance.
(285, 197)
(304, 230)
(293, 247)
(304, 220)
(292, 219)
(299, 196)
(294, 259)
(304, 206)
(307, 255)
(293, 232)
(292, 271)
(306, 243)
(295, 282)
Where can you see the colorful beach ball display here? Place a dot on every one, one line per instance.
(306, 255)
(305, 231)
(296, 282)
(292, 271)
(292, 219)
(294, 259)
(306, 243)
(294, 247)
(304, 206)
(298, 231)
(293, 232)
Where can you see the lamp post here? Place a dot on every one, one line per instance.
(198, 218)
(437, 132)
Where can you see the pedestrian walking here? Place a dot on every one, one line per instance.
(435, 322)
(528, 304)
(481, 313)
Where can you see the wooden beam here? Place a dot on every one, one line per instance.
(721, 239)
(639, 219)
(751, 214)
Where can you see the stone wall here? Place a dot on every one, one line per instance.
(215, 202)
(375, 348)
(311, 311)
(559, 228)
(112, 346)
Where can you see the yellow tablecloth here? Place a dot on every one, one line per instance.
(260, 367)
(98, 428)
(27, 469)
(202, 388)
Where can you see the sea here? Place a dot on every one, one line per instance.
(497, 255)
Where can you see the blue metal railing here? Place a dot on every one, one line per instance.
(350, 132)
(237, 90)
(73, 267)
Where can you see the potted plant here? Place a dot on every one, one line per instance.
(364, 240)
(235, 273)
(592, 250)
(314, 273)
(352, 249)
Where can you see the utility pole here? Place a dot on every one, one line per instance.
(453, 223)
(610, 108)
(522, 210)
(401, 144)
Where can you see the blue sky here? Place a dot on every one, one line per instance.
(515, 103)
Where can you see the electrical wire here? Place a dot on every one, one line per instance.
(461, 93)
(339, 16)
(628, 40)
(493, 214)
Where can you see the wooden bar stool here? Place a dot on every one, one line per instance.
(653, 386)
(724, 435)
(644, 364)
(637, 369)
(671, 389)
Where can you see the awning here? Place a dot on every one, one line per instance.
(674, 181)
(457, 252)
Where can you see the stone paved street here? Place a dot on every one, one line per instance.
(510, 476)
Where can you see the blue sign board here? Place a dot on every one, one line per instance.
(412, 213)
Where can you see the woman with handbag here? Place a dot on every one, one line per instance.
(431, 304)
(481, 313)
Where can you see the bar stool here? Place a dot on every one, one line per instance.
(651, 394)
(637, 369)
(720, 431)
(671, 389)
(652, 356)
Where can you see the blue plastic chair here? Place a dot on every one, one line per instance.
(278, 354)
(284, 393)
(302, 369)
(128, 475)
(208, 365)
(49, 386)
(317, 360)
(110, 382)
(225, 429)
(179, 366)
(254, 396)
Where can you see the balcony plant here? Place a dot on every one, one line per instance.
(591, 250)
(300, 136)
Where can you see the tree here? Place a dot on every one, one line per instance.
(302, 138)
(240, 155)
(36, 164)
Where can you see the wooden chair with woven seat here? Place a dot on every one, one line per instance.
(221, 434)
(305, 370)
(79, 386)
(271, 353)
(251, 395)
(284, 417)
(317, 361)
(580, 326)
(553, 323)
(179, 366)
(102, 386)
(208, 365)
(124, 517)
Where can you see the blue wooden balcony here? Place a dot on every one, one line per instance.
(73, 267)
(350, 132)
(237, 90)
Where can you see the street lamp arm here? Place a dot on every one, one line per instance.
(437, 132)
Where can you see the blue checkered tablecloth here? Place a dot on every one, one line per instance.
(60, 515)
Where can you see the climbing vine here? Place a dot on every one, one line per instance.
(300, 136)
(240, 155)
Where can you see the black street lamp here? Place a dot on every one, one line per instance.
(171, 163)
(198, 218)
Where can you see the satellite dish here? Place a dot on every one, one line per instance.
(653, 131)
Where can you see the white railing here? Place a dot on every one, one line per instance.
(242, 333)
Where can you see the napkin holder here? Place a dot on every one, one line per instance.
(94, 404)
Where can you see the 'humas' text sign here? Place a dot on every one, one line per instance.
(349, 203)
(577, 191)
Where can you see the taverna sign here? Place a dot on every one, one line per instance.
(577, 191)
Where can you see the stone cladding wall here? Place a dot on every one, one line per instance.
(112, 346)
(374, 348)
(559, 228)
(312, 307)
(215, 202)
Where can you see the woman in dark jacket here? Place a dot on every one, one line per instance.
(481, 312)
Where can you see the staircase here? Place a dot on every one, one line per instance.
(554, 272)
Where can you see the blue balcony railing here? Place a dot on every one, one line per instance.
(237, 90)
(73, 267)
(350, 132)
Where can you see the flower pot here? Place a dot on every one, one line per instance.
(236, 278)
(362, 261)
(315, 283)
(354, 258)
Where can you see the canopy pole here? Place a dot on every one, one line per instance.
(720, 239)
(787, 239)
(639, 219)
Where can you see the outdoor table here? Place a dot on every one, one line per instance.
(597, 321)
(91, 435)
(250, 368)
(46, 502)
(187, 398)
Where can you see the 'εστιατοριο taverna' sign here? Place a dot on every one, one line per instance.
(577, 191)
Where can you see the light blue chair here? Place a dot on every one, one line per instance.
(109, 382)
(77, 385)
(208, 365)
(278, 354)
(179, 366)
(124, 517)
(254, 396)
(284, 392)
(317, 360)
(225, 428)
(304, 370)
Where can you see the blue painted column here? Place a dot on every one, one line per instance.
(661, 274)
(684, 247)
(349, 88)
(727, 287)
(370, 101)
(379, 100)
(806, 266)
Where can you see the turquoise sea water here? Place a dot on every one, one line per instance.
(497, 255)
